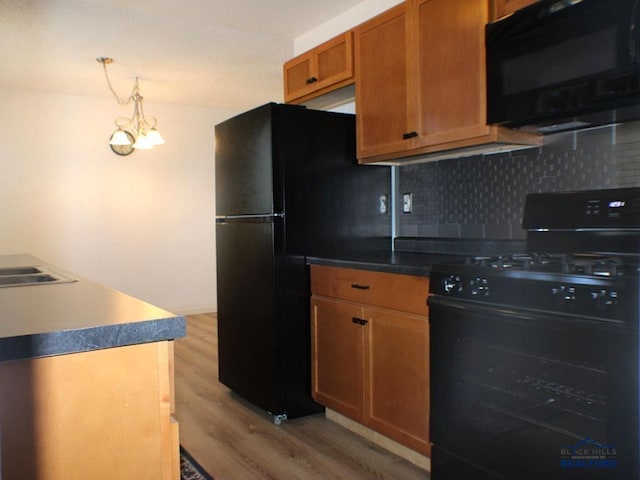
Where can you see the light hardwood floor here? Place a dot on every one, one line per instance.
(234, 440)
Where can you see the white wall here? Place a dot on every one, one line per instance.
(352, 17)
(143, 224)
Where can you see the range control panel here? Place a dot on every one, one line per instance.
(604, 300)
(612, 208)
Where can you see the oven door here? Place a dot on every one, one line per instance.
(531, 395)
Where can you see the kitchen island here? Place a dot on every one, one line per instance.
(86, 381)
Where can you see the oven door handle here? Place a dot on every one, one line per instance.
(480, 309)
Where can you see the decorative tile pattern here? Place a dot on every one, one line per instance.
(483, 196)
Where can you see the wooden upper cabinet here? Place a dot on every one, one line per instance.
(383, 99)
(325, 68)
(298, 74)
(451, 70)
(504, 7)
(421, 82)
(420, 77)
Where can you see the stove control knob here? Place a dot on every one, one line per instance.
(563, 295)
(605, 299)
(452, 284)
(479, 287)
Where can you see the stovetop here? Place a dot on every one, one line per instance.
(582, 258)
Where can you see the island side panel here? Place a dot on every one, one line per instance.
(103, 414)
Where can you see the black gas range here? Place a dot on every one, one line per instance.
(534, 356)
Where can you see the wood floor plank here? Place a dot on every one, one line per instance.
(233, 439)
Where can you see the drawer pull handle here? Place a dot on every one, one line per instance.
(358, 321)
(359, 287)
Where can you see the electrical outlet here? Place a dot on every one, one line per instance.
(407, 203)
(383, 204)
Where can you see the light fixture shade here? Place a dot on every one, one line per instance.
(154, 137)
(119, 137)
(123, 139)
(143, 143)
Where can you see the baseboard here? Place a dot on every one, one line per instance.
(196, 310)
(380, 440)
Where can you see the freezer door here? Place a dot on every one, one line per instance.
(247, 310)
(244, 164)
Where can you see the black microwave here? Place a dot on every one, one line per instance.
(564, 64)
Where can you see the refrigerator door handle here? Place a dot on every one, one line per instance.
(248, 218)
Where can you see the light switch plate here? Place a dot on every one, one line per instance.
(407, 203)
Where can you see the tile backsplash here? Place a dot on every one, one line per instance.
(483, 196)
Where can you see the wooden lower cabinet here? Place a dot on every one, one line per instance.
(338, 357)
(397, 377)
(371, 362)
(104, 414)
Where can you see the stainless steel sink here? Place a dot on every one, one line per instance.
(18, 270)
(30, 275)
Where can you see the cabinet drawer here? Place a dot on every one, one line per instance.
(406, 293)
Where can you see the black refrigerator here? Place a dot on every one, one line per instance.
(287, 186)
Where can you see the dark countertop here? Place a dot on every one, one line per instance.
(414, 255)
(406, 263)
(55, 319)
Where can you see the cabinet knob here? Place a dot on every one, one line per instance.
(359, 287)
(311, 80)
(409, 135)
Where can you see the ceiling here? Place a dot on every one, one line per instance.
(222, 53)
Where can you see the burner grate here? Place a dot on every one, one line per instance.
(577, 264)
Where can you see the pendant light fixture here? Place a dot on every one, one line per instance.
(137, 132)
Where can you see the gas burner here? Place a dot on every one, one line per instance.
(517, 261)
(576, 264)
(500, 261)
(595, 265)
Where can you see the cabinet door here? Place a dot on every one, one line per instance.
(381, 53)
(451, 70)
(337, 349)
(327, 67)
(397, 377)
(298, 74)
(504, 7)
(334, 60)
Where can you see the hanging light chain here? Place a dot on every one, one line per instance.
(121, 101)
